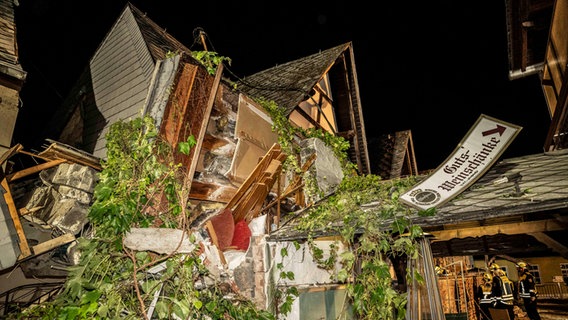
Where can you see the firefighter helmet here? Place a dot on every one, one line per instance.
(487, 276)
(440, 271)
(522, 265)
(494, 267)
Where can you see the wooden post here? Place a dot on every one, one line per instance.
(24, 247)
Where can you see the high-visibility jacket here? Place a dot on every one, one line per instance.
(502, 290)
(527, 288)
(485, 296)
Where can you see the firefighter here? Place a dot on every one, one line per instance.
(527, 290)
(484, 296)
(502, 291)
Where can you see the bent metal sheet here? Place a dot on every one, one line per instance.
(479, 149)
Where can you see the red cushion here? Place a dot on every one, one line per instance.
(241, 237)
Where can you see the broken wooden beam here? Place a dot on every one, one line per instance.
(35, 169)
(53, 243)
(211, 192)
(24, 247)
(274, 152)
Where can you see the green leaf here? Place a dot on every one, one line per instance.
(142, 256)
(342, 275)
(74, 287)
(102, 311)
(90, 309)
(430, 212)
(184, 148)
(416, 231)
(181, 308)
(71, 313)
(90, 296)
(211, 305)
(162, 309)
(296, 245)
(149, 286)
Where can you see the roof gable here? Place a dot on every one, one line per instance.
(159, 42)
(9, 62)
(128, 54)
(288, 84)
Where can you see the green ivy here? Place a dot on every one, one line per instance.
(211, 60)
(112, 282)
(372, 234)
(284, 298)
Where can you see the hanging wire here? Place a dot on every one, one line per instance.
(201, 38)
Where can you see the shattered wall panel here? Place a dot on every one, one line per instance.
(64, 197)
(326, 169)
(301, 262)
(255, 136)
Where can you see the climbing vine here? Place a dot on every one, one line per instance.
(374, 234)
(140, 186)
(211, 60)
(288, 137)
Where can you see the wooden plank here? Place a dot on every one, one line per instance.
(24, 247)
(282, 196)
(177, 106)
(273, 173)
(499, 314)
(211, 142)
(35, 169)
(509, 228)
(278, 212)
(53, 243)
(299, 194)
(211, 192)
(273, 168)
(212, 233)
(61, 151)
(215, 241)
(203, 128)
(298, 178)
(239, 211)
(260, 167)
(258, 202)
(253, 201)
(413, 165)
(244, 208)
(9, 153)
(25, 211)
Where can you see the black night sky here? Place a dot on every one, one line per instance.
(430, 67)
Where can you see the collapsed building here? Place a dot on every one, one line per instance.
(236, 164)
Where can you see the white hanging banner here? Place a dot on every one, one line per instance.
(476, 153)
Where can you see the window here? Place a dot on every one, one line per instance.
(564, 269)
(506, 270)
(324, 304)
(535, 270)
